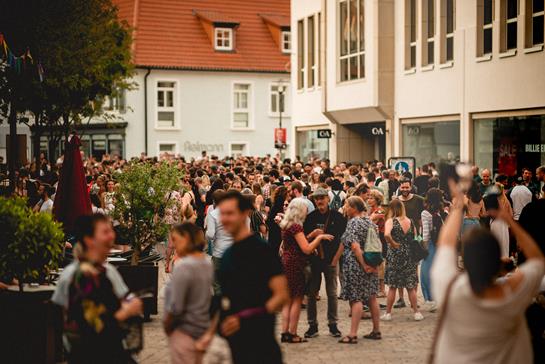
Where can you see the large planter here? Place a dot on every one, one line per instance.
(142, 277)
(31, 326)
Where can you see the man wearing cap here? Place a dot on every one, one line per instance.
(323, 220)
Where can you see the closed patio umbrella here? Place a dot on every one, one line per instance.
(72, 197)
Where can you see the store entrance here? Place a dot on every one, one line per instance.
(373, 140)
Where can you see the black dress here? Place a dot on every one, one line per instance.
(401, 271)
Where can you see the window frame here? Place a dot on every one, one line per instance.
(301, 55)
(167, 142)
(173, 108)
(249, 109)
(246, 147)
(360, 51)
(283, 41)
(411, 27)
(531, 24)
(273, 113)
(230, 39)
(428, 40)
(311, 51)
(445, 35)
(482, 28)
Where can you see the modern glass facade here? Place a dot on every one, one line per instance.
(310, 146)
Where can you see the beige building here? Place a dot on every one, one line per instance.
(447, 79)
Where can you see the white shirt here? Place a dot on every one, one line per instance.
(483, 330)
(215, 234)
(521, 196)
(47, 206)
(500, 230)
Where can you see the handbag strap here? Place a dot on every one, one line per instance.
(441, 319)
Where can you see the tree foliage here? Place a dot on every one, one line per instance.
(142, 200)
(31, 243)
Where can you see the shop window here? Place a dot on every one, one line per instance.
(410, 34)
(352, 40)
(241, 105)
(98, 147)
(432, 142)
(166, 105)
(485, 18)
(506, 145)
(309, 146)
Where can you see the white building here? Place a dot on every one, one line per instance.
(445, 78)
(208, 76)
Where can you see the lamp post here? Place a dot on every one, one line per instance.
(281, 92)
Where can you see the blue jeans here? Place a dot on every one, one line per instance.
(425, 267)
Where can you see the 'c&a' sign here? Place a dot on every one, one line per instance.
(377, 130)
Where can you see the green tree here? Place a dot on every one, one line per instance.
(84, 50)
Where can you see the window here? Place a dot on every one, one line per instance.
(428, 32)
(319, 53)
(223, 39)
(485, 14)
(410, 34)
(241, 105)
(508, 31)
(286, 41)
(168, 148)
(278, 99)
(116, 101)
(300, 54)
(311, 57)
(447, 30)
(165, 104)
(534, 22)
(432, 141)
(238, 149)
(352, 40)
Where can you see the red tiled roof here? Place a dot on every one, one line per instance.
(281, 21)
(214, 17)
(168, 34)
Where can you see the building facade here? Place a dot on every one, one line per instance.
(431, 79)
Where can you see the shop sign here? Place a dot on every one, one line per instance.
(199, 147)
(280, 138)
(377, 130)
(534, 148)
(324, 133)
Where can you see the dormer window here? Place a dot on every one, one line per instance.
(286, 41)
(223, 39)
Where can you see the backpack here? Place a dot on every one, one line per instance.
(372, 250)
(337, 202)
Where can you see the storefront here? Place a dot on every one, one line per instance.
(508, 143)
(431, 141)
(309, 145)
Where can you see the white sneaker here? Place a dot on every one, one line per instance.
(432, 306)
(418, 316)
(386, 317)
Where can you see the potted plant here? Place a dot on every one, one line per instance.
(31, 245)
(142, 201)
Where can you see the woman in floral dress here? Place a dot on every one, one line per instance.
(295, 248)
(401, 271)
(359, 280)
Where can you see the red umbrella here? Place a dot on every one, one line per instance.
(72, 197)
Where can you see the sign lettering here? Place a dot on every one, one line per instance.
(324, 133)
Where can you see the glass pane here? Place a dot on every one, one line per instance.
(165, 84)
(413, 56)
(344, 28)
(362, 26)
(512, 35)
(512, 9)
(282, 99)
(432, 142)
(166, 116)
(170, 98)
(344, 69)
(431, 53)
(487, 12)
(240, 120)
(160, 98)
(243, 100)
(537, 6)
(353, 26)
(537, 30)
(115, 147)
(166, 147)
(431, 18)
(353, 68)
(241, 86)
(450, 16)
(450, 49)
(362, 66)
(413, 20)
(487, 41)
(274, 106)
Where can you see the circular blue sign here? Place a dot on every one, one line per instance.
(401, 166)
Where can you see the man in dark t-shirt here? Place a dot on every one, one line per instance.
(414, 204)
(421, 182)
(323, 220)
(253, 287)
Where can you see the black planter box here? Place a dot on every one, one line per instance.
(142, 277)
(31, 327)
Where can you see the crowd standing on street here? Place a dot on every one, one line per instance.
(255, 236)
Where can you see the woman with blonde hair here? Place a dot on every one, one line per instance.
(401, 270)
(295, 248)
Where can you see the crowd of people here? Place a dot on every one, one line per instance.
(253, 236)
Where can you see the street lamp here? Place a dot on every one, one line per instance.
(281, 88)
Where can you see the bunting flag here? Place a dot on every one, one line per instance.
(19, 63)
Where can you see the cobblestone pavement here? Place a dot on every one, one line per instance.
(404, 340)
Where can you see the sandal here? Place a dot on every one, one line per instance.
(285, 337)
(349, 340)
(296, 339)
(373, 335)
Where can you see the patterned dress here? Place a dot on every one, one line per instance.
(294, 261)
(400, 270)
(357, 285)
